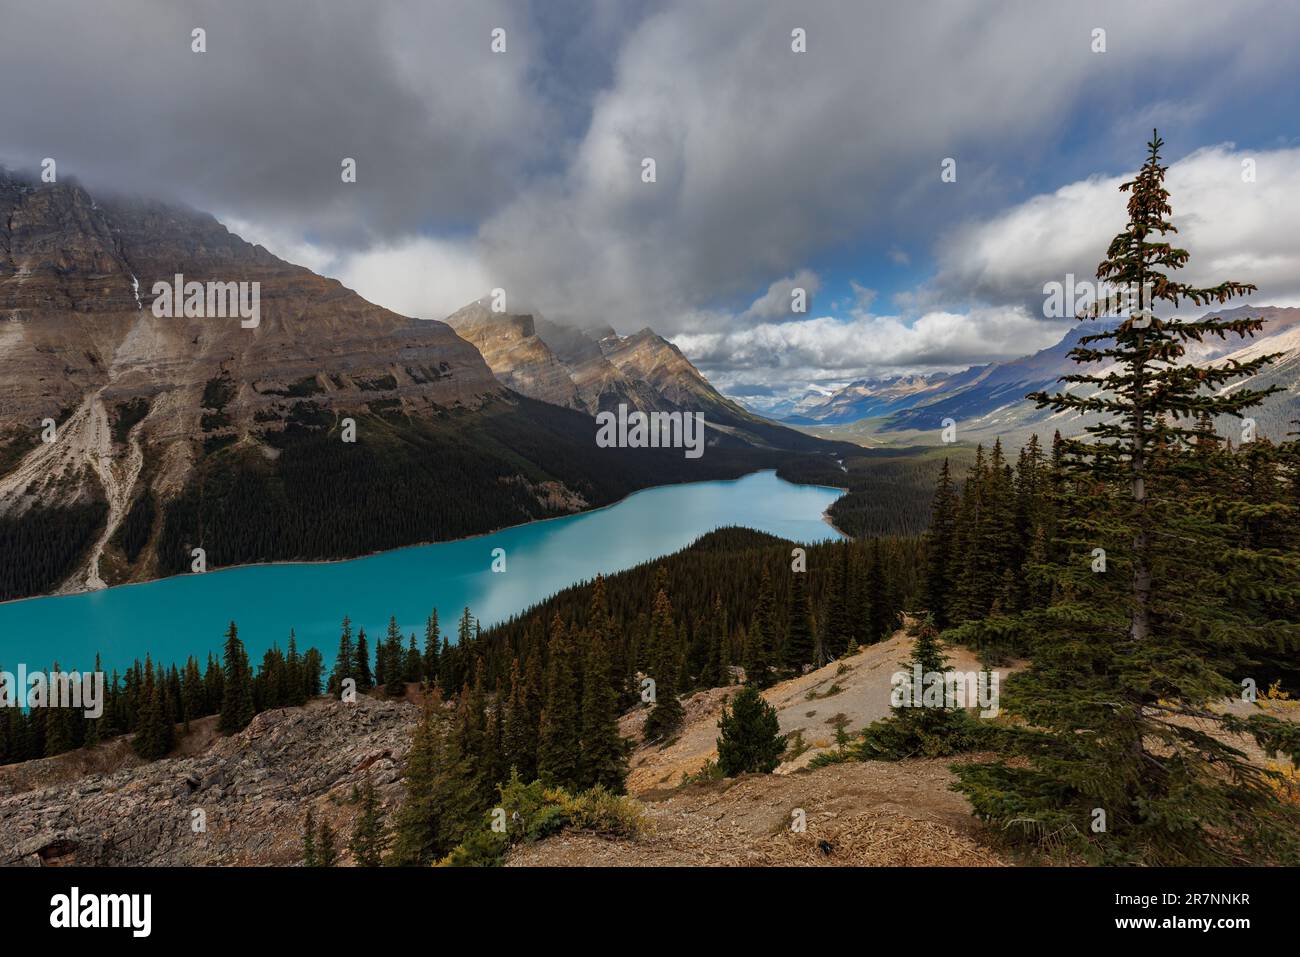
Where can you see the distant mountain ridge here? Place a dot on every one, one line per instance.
(596, 371)
(989, 400)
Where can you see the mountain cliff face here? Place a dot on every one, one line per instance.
(80, 343)
(127, 440)
(514, 352)
(596, 371)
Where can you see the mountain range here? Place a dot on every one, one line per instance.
(128, 440)
(987, 401)
(597, 370)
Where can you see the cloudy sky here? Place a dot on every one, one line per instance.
(774, 169)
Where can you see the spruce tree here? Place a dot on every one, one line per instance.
(369, 836)
(840, 626)
(417, 823)
(447, 674)
(965, 603)
(91, 736)
(465, 629)
(799, 643)
(514, 738)
(531, 716)
(152, 739)
(940, 542)
(751, 740)
(495, 767)
(345, 661)
(762, 637)
(327, 854)
(559, 747)
(724, 643)
(475, 741)
(212, 690)
(237, 685)
(296, 693)
(432, 645)
(313, 666)
(921, 728)
(1129, 663)
(394, 660)
(460, 792)
(883, 614)
(604, 757)
(413, 669)
(666, 715)
(361, 668)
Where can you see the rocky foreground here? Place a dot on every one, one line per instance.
(241, 800)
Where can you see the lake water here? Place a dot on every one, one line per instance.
(188, 614)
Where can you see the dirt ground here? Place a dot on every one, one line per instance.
(853, 692)
(862, 814)
(854, 814)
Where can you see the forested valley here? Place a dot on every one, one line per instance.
(1144, 578)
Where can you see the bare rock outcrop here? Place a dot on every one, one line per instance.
(240, 802)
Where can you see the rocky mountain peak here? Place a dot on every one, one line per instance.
(139, 399)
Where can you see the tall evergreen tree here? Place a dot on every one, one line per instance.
(799, 643)
(313, 666)
(519, 751)
(417, 823)
(708, 655)
(345, 661)
(448, 675)
(917, 727)
(840, 626)
(369, 835)
(413, 666)
(559, 745)
(296, 691)
(940, 544)
(666, 716)
(237, 685)
(432, 645)
(884, 616)
(361, 667)
(394, 660)
(153, 737)
(213, 678)
(604, 757)
(327, 854)
(762, 637)
(1127, 662)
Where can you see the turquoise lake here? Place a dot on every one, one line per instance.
(188, 615)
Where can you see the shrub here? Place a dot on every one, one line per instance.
(534, 811)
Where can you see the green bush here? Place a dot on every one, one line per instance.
(534, 811)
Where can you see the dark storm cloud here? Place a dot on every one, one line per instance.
(258, 125)
(523, 170)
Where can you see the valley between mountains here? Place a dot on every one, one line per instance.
(171, 434)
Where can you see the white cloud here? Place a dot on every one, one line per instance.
(777, 301)
(423, 277)
(787, 357)
(420, 276)
(765, 157)
(1232, 229)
